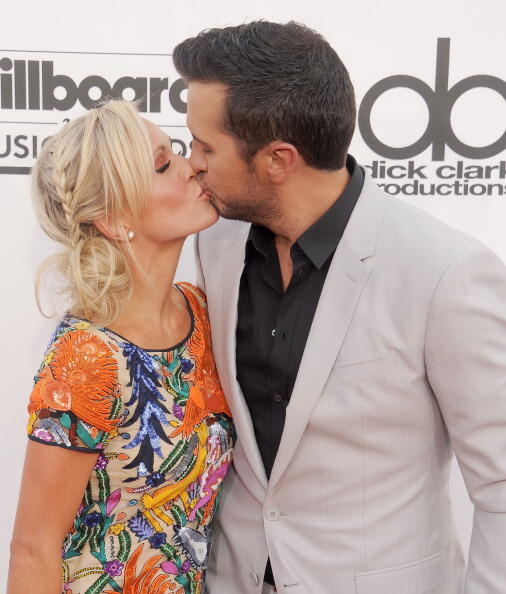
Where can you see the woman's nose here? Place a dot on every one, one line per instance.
(185, 169)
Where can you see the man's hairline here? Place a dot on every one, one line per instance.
(240, 144)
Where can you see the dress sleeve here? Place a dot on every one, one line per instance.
(76, 399)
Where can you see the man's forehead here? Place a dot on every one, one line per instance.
(205, 104)
(206, 94)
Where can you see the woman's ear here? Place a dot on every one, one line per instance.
(115, 231)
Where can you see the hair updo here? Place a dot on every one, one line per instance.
(99, 166)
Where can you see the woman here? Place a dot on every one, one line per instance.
(127, 391)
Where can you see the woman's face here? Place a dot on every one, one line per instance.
(177, 207)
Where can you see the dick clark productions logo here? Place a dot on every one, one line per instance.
(440, 102)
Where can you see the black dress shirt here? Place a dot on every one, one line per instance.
(273, 325)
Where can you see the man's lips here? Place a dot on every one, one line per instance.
(205, 194)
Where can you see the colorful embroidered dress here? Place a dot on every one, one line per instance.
(161, 425)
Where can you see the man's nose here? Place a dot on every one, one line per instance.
(197, 161)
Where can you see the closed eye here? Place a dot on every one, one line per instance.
(163, 167)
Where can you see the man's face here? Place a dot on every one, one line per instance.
(237, 189)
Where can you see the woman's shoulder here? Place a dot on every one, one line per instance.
(76, 387)
(77, 338)
(70, 323)
(77, 343)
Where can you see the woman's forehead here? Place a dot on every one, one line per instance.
(158, 138)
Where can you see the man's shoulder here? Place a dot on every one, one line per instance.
(411, 229)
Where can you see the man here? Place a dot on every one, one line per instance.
(358, 340)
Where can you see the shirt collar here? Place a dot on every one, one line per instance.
(322, 238)
(261, 240)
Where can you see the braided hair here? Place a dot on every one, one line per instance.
(98, 166)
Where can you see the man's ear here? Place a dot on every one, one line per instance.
(115, 231)
(282, 158)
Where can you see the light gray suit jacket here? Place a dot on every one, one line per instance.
(405, 363)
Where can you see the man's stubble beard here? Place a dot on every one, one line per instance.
(259, 205)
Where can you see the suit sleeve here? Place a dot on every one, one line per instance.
(465, 354)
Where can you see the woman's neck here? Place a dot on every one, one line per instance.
(156, 316)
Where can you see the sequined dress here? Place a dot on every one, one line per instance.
(163, 432)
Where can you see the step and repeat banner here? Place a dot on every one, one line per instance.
(431, 128)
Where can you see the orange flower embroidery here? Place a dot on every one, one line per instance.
(206, 396)
(81, 377)
(151, 579)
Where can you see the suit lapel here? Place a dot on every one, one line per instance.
(345, 280)
(232, 262)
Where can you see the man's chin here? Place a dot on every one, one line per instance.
(221, 209)
(234, 212)
(227, 214)
(217, 208)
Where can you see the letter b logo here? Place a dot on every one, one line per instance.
(440, 102)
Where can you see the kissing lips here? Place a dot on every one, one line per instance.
(207, 193)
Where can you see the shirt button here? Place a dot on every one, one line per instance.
(272, 514)
(253, 578)
(278, 397)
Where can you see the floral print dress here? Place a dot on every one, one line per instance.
(164, 436)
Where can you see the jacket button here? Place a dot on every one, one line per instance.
(253, 578)
(272, 514)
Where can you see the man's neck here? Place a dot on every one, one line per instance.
(309, 198)
(306, 200)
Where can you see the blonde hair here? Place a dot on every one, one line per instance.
(99, 166)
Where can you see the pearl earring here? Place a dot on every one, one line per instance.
(130, 235)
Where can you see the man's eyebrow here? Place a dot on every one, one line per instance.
(198, 139)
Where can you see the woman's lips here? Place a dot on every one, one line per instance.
(204, 194)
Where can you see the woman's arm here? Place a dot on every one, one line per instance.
(52, 487)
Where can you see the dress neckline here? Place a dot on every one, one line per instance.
(164, 350)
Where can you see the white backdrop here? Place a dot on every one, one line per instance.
(435, 45)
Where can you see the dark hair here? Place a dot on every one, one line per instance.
(284, 82)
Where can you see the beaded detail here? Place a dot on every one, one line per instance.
(163, 432)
